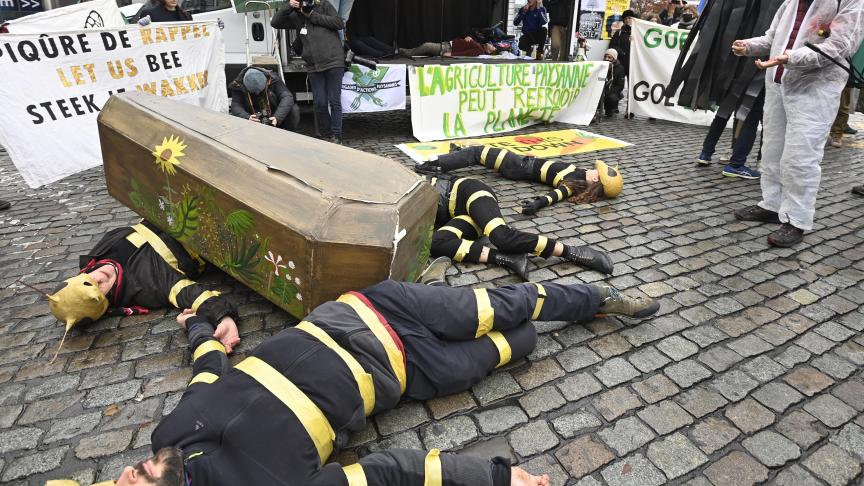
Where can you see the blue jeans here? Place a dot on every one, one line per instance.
(327, 93)
(746, 138)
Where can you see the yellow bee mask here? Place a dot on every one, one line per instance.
(613, 182)
(77, 301)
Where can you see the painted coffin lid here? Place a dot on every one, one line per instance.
(296, 219)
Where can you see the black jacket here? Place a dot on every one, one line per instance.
(322, 49)
(279, 100)
(233, 430)
(158, 13)
(618, 74)
(559, 11)
(620, 41)
(148, 278)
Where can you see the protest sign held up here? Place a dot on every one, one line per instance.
(48, 109)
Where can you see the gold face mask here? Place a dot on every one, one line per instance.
(77, 301)
(613, 182)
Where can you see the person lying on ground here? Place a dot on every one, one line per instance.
(468, 209)
(579, 186)
(277, 416)
(459, 47)
(137, 268)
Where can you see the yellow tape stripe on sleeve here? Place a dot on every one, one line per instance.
(207, 294)
(158, 246)
(355, 475)
(560, 193)
(434, 476)
(463, 250)
(371, 320)
(176, 289)
(455, 231)
(491, 225)
(485, 312)
(470, 221)
(542, 241)
(136, 239)
(477, 195)
(454, 190)
(307, 412)
(550, 200)
(204, 377)
(365, 385)
(500, 158)
(538, 306)
(206, 347)
(563, 173)
(504, 351)
(484, 154)
(544, 169)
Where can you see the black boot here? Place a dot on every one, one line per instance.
(4, 204)
(588, 257)
(517, 263)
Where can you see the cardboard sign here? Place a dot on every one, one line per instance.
(464, 100)
(48, 109)
(546, 145)
(655, 48)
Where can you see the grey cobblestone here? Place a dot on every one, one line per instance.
(665, 417)
(829, 410)
(675, 455)
(628, 434)
(533, 438)
(500, 419)
(449, 433)
(771, 448)
(635, 470)
(571, 424)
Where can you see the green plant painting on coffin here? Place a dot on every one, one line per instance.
(228, 238)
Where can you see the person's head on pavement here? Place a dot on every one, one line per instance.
(165, 468)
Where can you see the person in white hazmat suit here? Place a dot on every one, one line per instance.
(802, 94)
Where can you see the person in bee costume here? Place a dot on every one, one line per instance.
(134, 269)
(277, 416)
(468, 209)
(579, 186)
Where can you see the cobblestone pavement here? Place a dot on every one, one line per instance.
(752, 371)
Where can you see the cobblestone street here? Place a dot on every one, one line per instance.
(751, 372)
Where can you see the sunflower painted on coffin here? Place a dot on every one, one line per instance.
(168, 154)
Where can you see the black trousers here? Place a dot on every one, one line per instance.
(453, 336)
(476, 212)
(529, 39)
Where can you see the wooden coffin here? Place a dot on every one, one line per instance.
(296, 219)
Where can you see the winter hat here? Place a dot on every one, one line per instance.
(613, 53)
(628, 13)
(255, 81)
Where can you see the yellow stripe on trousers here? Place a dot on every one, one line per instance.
(309, 415)
(371, 320)
(504, 351)
(434, 475)
(538, 305)
(365, 385)
(485, 312)
(355, 475)
(463, 250)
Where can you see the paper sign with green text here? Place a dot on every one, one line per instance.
(468, 100)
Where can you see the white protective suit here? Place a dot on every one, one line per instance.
(799, 112)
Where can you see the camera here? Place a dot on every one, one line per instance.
(351, 58)
(264, 118)
(307, 5)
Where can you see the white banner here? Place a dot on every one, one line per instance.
(653, 53)
(467, 100)
(95, 14)
(365, 90)
(56, 85)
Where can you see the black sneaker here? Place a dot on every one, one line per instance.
(786, 236)
(849, 130)
(4, 205)
(755, 213)
(616, 303)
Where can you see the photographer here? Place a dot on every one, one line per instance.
(260, 97)
(318, 26)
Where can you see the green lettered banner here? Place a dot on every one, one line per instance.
(467, 100)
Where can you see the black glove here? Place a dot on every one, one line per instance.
(428, 167)
(530, 206)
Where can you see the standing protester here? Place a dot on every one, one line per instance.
(615, 90)
(689, 16)
(533, 17)
(621, 41)
(672, 14)
(743, 144)
(162, 11)
(802, 94)
(559, 18)
(318, 26)
(256, 93)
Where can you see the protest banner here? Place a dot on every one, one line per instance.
(365, 90)
(48, 108)
(591, 15)
(95, 14)
(539, 144)
(652, 57)
(612, 19)
(464, 100)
